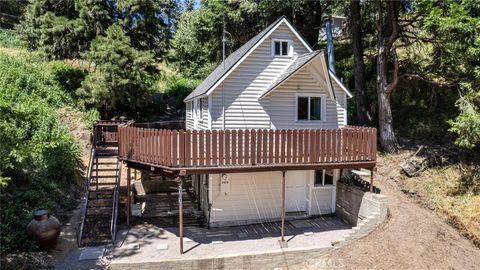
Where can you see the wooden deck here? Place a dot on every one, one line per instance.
(192, 152)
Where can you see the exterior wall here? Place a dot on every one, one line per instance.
(189, 116)
(193, 121)
(283, 110)
(244, 85)
(256, 197)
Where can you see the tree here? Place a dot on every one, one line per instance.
(148, 23)
(64, 29)
(456, 59)
(359, 64)
(387, 31)
(11, 11)
(122, 77)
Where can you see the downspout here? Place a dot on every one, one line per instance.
(327, 19)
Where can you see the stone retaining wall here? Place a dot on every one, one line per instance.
(268, 260)
(364, 210)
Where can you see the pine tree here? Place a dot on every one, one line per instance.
(122, 76)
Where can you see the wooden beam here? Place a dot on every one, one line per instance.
(371, 180)
(128, 195)
(180, 212)
(183, 171)
(283, 206)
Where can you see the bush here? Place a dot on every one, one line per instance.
(69, 77)
(38, 155)
(10, 39)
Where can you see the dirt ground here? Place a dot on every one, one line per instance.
(412, 237)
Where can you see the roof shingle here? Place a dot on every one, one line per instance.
(231, 60)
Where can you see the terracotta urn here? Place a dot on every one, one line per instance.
(44, 229)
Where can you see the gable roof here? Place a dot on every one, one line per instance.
(234, 59)
(300, 62)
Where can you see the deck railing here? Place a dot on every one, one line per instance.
(106, 132)
(218, 148)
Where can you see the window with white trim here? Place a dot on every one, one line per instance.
(310, 107)
(323, 178)
(281, 47)
(198, 108)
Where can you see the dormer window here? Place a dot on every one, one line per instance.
(281, 47)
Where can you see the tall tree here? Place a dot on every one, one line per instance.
(122, 77)
(148, 23)
(453, 27)
(387, 31)
(358, 63)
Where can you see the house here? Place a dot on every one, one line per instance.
(266, 137)
(274, 81)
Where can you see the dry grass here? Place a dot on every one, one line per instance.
(452, 191)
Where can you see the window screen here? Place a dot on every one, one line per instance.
(302, 108)
(315, 108)
(284, 48)
(277, 48)
(328, 177)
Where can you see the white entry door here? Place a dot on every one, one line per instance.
(295, 191)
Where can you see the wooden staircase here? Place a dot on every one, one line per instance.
(102, 192)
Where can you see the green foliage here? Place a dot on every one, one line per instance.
(69, 77)
(151, 32)
(65, 29)
(123, 75)
(456, 58)
(467, 123)
(38, 155)
(91, 117)
(176, 89)
(10, 39)
(11, 10)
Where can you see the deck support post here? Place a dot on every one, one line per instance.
(180, 212)
(283, 209)
(129, 203)
(371, 180)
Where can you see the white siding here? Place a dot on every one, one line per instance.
(283, 103)
(245, 84)
(252, 196)
(189, 116)
(256, 197)
(203, 122)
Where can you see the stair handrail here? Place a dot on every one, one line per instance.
(87, 192)
(113, 224)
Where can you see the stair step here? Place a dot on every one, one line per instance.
(105, 170)
(106, 163)
(104, 184)
(95, 235)
(100, 201)
(106, 156)
(99, 207)
(103, 176)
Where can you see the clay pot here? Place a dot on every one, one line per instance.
(44, 229)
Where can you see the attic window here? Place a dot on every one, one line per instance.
(281, 47)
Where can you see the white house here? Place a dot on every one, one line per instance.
(274, 81)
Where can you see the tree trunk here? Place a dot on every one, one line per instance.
(387, 35)
(359, 65)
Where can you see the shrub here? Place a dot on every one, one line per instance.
(38, 155)
(69, 77)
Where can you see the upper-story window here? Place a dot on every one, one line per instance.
(281, 47)
(310, 107)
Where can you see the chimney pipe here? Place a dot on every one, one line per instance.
(327, 19)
